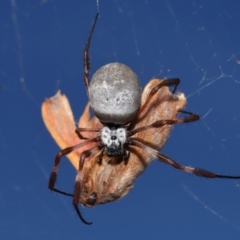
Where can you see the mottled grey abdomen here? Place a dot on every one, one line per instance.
(115, 93)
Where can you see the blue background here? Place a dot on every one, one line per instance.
(41, 47)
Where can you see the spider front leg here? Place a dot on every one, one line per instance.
(165, 159)
(100, 157)
(86, 60)
(126, 156)
(191, 118)
(165, 83)
(79, 130)
(64, 152)
(79, 183)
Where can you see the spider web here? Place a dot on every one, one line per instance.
(41, 49)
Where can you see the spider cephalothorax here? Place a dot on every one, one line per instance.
(129, 126)
(113, 139)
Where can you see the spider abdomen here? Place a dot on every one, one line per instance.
(115, 93)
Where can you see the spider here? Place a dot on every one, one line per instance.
(115, 97)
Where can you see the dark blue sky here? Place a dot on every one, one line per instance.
(41, 48)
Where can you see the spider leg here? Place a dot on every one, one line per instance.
(79, 130)
(165, 83)
(165, 159)
(79, 182)
(191, 118)
(86, 60)
(126, 156)
(64, 152)
(100, 157)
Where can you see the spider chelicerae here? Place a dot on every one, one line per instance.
(115, 97)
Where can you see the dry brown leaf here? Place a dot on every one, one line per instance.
(112, 179)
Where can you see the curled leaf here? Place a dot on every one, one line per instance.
(112, 179)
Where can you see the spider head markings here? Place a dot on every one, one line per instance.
(113, 139)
